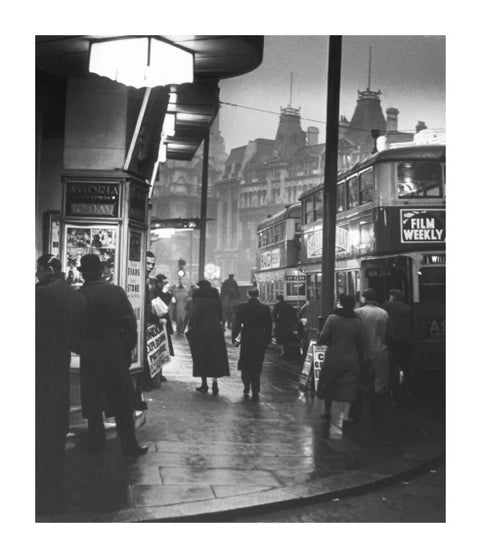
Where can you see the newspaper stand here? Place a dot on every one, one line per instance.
(106, 213)
(312, 367)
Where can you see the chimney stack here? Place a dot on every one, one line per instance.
(392, 119)
(312, 135)
(420, 126)
(342, 127)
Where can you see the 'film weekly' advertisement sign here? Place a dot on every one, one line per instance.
(422, 226)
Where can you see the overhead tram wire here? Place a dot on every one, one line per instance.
(276, 113)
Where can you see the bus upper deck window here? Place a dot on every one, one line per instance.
(365, 187)
(419, 179)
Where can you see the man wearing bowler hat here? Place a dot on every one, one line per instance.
(109, 334)
(254, 323)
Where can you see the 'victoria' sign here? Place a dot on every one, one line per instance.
(422, 226)
(92, 199)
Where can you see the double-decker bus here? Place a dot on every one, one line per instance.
(390, 233)
(278, 252)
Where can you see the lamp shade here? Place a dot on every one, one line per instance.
(141, 62)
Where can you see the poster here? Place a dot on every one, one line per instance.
(318, 359)
(305, 375)
(135, 288)
(81, 240)
(157, 347)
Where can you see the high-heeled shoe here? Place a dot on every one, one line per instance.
(215, 390)
(202, 389)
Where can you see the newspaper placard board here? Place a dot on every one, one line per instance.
(305, 376)
(318, 359)
(157, 347)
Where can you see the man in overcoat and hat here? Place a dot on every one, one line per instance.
(254, 323)
(109, 334)
(58, 315)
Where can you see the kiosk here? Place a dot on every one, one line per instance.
(106, 213)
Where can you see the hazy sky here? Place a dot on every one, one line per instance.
(409, 70)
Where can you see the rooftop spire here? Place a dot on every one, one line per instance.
(291, 88)
(369, 66)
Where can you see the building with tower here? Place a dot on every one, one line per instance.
(263, 176)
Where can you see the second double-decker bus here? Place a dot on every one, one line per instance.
(278, 253)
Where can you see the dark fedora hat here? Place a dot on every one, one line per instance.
(203, 283)
(90, 264)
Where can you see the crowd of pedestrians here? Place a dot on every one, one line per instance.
(98, 323)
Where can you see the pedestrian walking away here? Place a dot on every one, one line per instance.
(180, 295)
(206, 338)
(346, 341)
(58, 316)
(109, 334)
(284, 322)
(253, 323)
(400, 333)
(375, 320)
(230, 296)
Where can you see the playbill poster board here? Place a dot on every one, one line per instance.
(83, 239)
(135, 288)
(157, 347)
(312, 366)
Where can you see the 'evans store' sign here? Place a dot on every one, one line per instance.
(422, 226)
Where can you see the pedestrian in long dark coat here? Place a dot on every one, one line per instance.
(58, 314)
(206, 338)
(254, 323)
(108, 337)
(346, 341)
(284, 320)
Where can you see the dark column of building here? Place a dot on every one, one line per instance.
(330, 188)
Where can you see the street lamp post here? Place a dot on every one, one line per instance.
(203, 209)
(330, 184)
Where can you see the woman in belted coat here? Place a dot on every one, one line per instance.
(206, 337)
(346, 341)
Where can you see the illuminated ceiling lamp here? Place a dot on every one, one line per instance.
(168, 129)
(141, 62)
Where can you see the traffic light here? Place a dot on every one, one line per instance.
(181, 268)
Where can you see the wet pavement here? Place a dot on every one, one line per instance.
(212, 456)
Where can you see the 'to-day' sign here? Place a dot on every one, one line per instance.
(422, 226)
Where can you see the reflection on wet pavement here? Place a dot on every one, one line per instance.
(205, 448)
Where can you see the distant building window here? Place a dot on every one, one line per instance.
(318, 205)
(308, 215)
(366, 187)
(341, 206)
(353, 192)
(419, 179)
